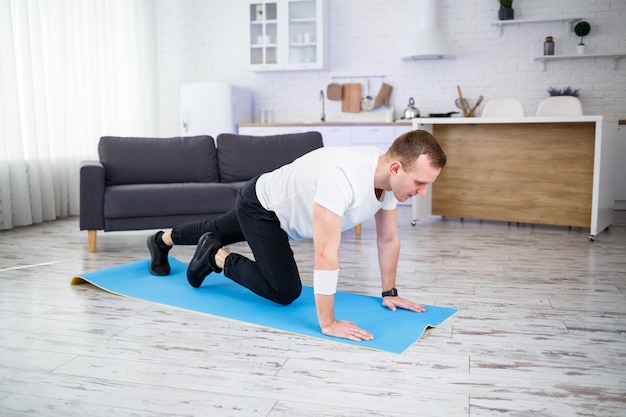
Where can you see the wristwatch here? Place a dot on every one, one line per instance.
(391, 293)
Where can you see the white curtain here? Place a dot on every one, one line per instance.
(71, 71)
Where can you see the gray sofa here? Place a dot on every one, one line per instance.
(150, 183)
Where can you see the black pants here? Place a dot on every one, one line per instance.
(275, 274)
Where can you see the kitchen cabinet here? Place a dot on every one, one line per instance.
(335, 135)
(401, 129)
(332, 135)
(259, 130)
(287, 35)
(283, 130)
(373, 135)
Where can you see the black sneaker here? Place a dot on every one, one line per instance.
(203, 261)
(159, 264)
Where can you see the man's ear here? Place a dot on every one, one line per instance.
(394, 167)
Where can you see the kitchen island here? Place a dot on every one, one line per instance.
(540, 170)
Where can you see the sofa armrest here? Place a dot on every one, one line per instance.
(91, 212)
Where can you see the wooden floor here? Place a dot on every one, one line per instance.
(541, 331)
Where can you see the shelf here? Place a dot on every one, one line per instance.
(503, 23)
(544, 59)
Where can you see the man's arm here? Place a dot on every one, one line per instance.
(326, 241)
(388, 242)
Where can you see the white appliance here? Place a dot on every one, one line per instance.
(211, 108)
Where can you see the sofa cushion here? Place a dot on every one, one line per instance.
(146, 200)
(158, 160)
(242, 157)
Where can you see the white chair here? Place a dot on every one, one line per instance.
(504, 107)
(560, 106)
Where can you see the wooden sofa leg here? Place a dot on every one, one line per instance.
(357, 229)
(91, 240)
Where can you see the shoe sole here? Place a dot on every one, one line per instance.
(200, 266)
(151, 245)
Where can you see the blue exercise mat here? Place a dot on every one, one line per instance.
(394, 331)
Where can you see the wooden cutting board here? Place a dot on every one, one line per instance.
(351, 98)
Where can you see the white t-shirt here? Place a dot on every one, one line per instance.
(340, 179)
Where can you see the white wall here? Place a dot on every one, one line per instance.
(206, 40)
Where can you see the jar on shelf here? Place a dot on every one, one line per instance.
(548, 46)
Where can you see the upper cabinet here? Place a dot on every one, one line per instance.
(287, 35)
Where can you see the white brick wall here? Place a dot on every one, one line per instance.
(206, 40)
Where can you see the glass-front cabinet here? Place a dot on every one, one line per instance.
(264, 34)
(287, 35)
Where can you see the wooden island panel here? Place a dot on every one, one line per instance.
(539, 173)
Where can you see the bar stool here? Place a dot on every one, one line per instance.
(504, 107)
(560, 106)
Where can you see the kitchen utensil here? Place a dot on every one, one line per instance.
(449, 114)
(351, 98)
(333, 91)
(461, 103)
(473, 109)
(384, 96)
(367, 103)
(411, 111)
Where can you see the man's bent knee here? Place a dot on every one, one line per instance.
(287, 297)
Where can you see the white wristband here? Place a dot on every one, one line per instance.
(325, 282)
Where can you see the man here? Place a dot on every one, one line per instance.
(319, 195)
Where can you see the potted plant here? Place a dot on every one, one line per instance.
(506, 11)
(567, 91)
(582, 29)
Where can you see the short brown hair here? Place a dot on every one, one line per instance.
(410, 145)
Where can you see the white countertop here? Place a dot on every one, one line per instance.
(500, 120)
(441, 120)
(280, 124)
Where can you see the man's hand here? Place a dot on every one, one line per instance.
(347, 330)
(396, 302)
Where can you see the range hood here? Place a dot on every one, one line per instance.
(426, 40)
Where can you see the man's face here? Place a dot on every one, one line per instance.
(407, 184)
